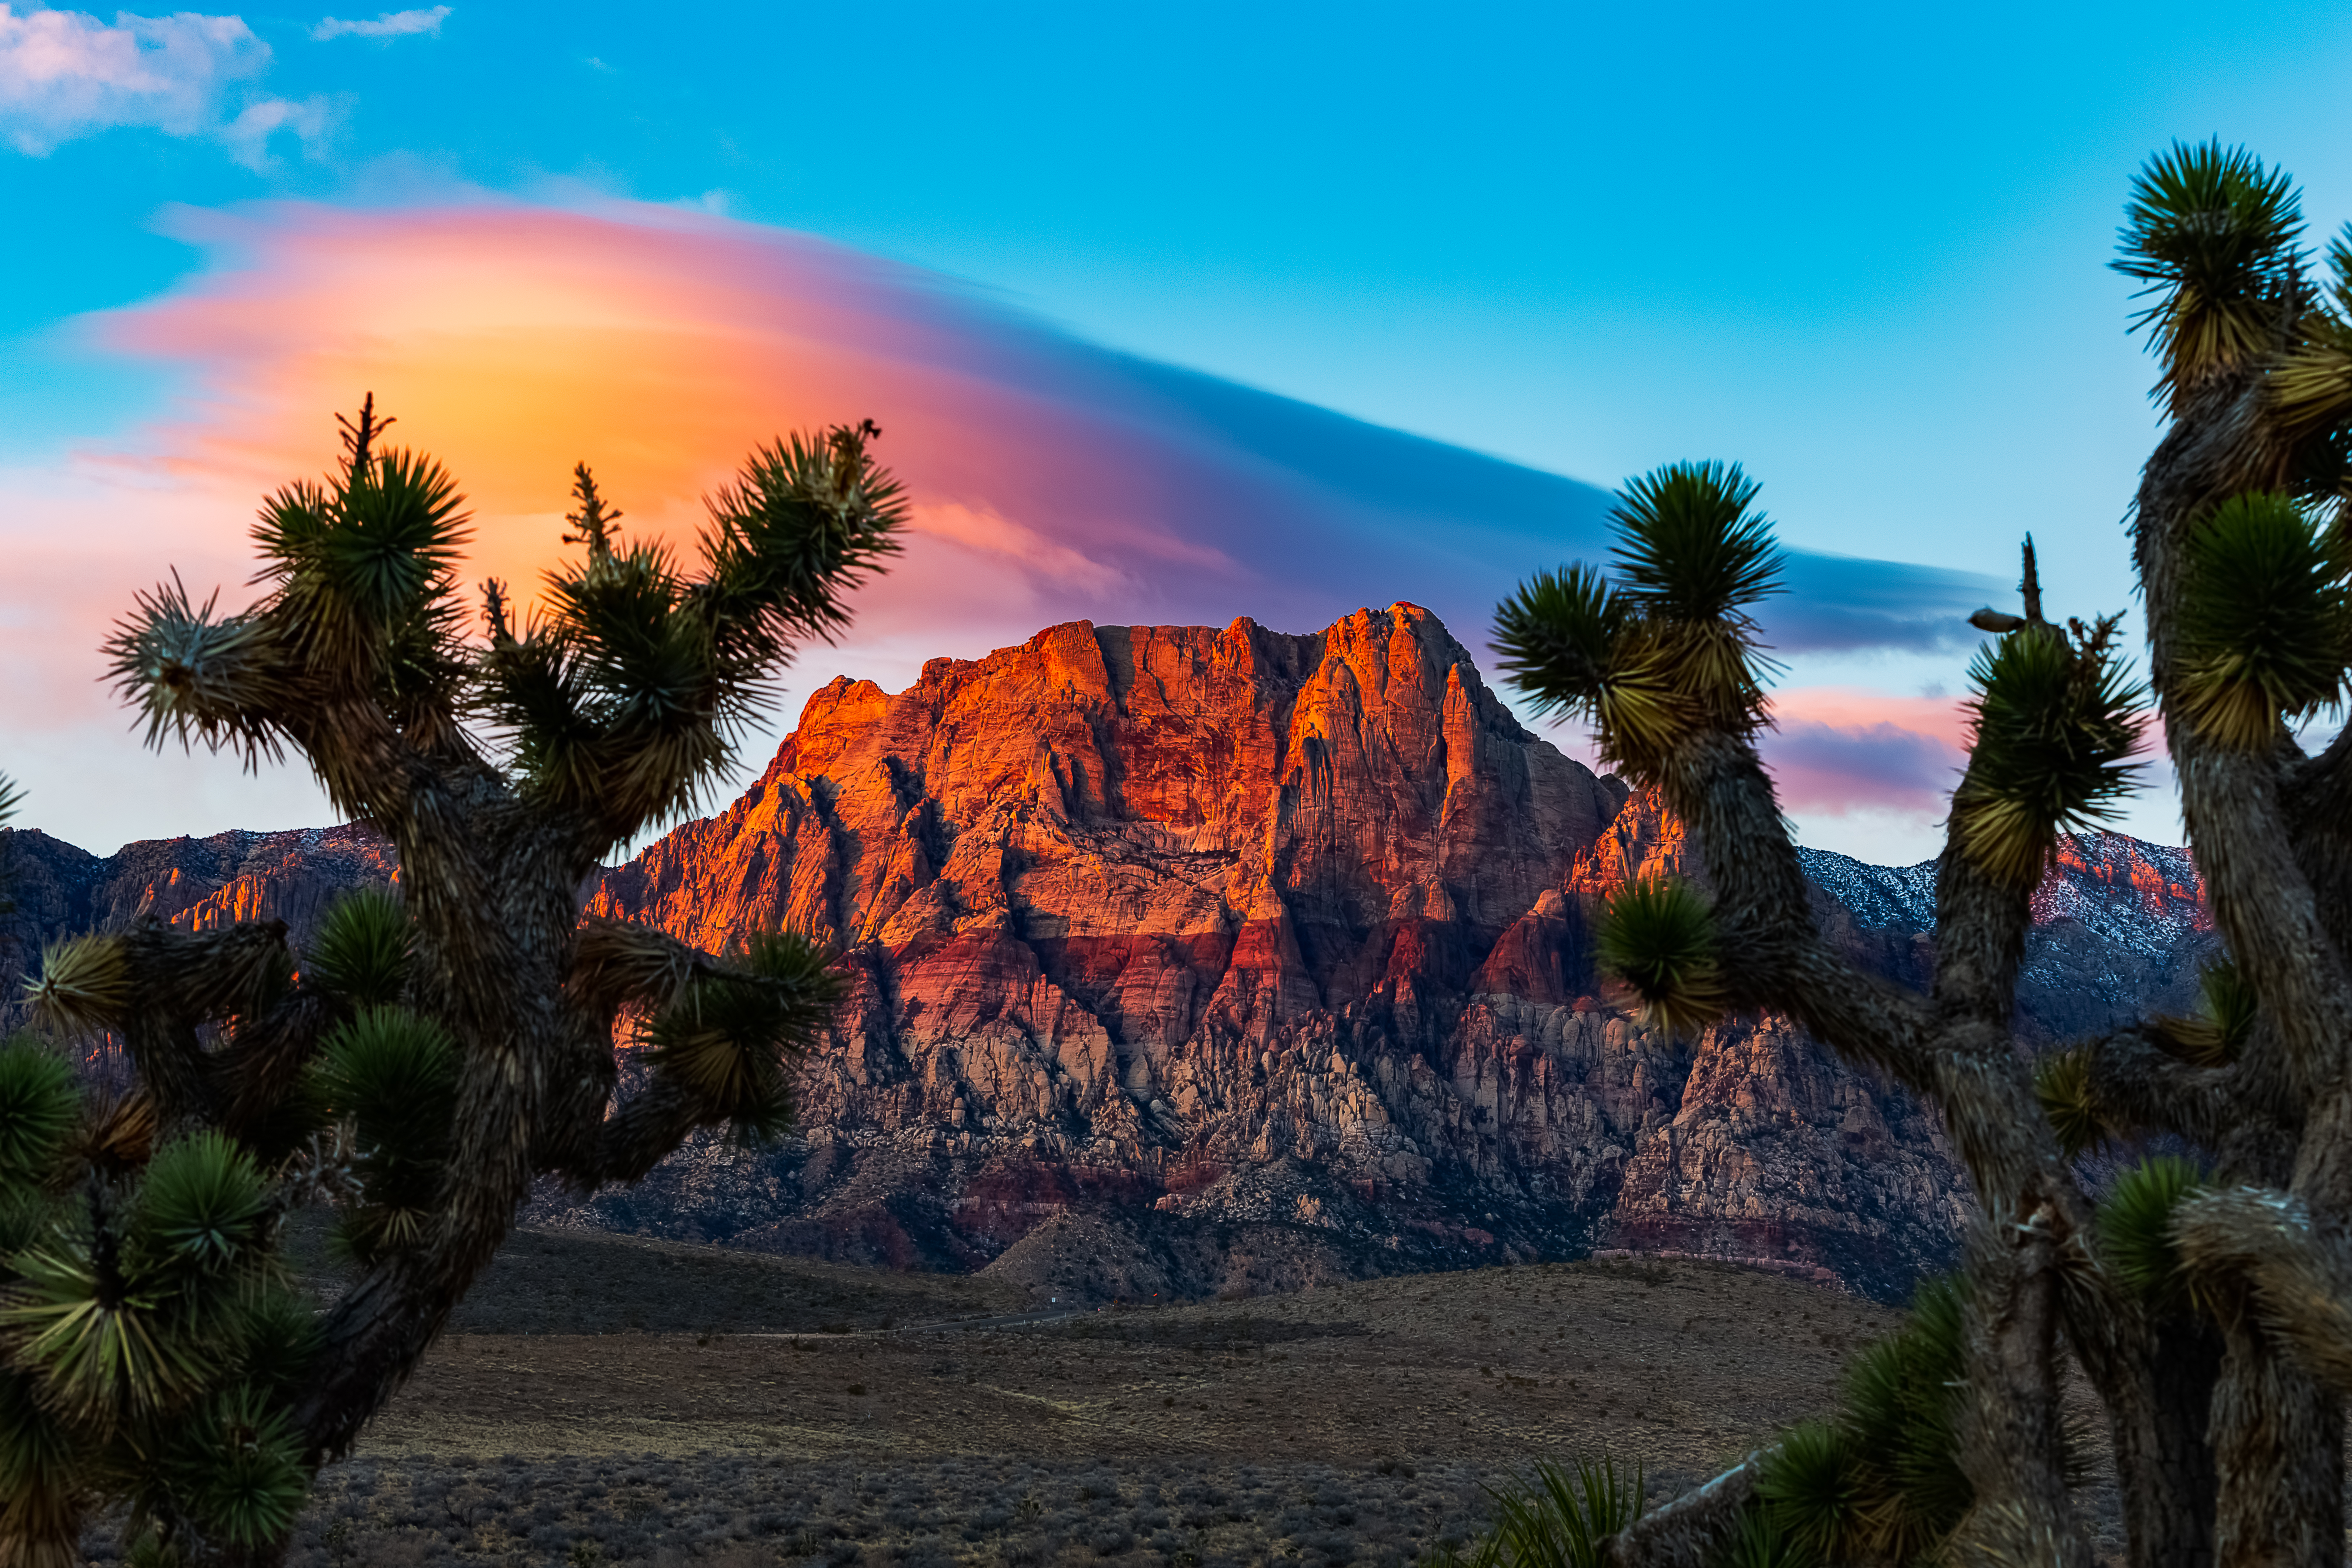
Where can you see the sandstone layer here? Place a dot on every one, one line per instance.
(1190, 960)
(1273, 950)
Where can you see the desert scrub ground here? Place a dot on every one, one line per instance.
(1351, 1423)
(735, 1511)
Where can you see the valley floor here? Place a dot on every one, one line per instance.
(759, 1412)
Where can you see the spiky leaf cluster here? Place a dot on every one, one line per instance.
(1881, 1480)
(2212, 234)
(366, 590)
(726, 1036)
(1560, 1516)
(623, 697)
(2214, 1034)
(150, 1342)
(2135, 1227)
(390, 1075)
(39, 1109)
(1659, 938)
(85, 983)
(2265, 621)
(618, 702)
(2061, 1083)
(1668, 649)
(2053, 719)
(360, 953)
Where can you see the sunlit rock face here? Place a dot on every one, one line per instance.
(1282, 943)
(1245, 959)
(49, 888)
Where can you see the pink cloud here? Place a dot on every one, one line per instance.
(1050, 480)
(661, 346)
(66, 74)
(1834, 750)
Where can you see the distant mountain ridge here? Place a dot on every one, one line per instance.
(1190, 959)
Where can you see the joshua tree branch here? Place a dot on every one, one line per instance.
(2301, 1280)
(1692, 1530)
(2242, 1114)
(2234, 801)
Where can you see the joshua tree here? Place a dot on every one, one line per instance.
(441, 1047)
(2209, 1300)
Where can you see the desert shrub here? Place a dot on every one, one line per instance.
(1558, 1518)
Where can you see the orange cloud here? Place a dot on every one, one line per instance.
(1050, 480)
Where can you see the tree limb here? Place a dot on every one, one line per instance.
(1692, 1530)
(2302, 1281)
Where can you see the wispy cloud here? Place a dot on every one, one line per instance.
(66, 74)
(391, 24)
(1834, 750)
(1053, 480)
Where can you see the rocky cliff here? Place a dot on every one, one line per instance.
(1192, 960)
(1269, 955)
(48, 888)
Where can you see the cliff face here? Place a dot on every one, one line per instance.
(48, 888)
(1190, 960)
(1276, 948)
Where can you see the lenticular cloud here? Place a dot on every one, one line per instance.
(1052, 479)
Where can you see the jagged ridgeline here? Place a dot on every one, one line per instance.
(1191, 959)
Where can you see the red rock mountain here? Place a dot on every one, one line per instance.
(1270, 952)
(48, 888)
(1192, 960)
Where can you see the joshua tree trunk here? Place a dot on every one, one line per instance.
(2210, 1305)
(440, 1051)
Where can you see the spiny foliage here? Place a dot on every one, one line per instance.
(154, 1355)
(2211, 232)
(148, 1336)
(626, 692)
(1561, 1518)
(1760, 1542)
(723, 1035)
(85, 983)
(2053, 718)
(1658, 937)
(2213, 1037)
(619, 702)
(2136, 1226)
(2266, 620)
(1670, 646)
(393, 1076)
(1881, 1480)
(2062, 1082)
(361, 948)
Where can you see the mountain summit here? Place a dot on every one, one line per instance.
(1245, 957)
(1191, 960)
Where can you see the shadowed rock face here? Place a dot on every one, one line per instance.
(1284, 941)
(51, 889)
(1267, 958)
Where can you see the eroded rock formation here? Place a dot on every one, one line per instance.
(1270, 936)
(1190, 960)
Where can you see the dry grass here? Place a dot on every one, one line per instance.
(1678, 1364)
(1354, 1424)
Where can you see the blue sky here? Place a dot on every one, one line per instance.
(1861, 250)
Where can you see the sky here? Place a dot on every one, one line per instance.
(1168, 315)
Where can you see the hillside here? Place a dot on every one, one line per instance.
(1268, 956)
(1198, 961)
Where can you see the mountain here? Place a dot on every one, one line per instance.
(48, 888)
(1246, 957)
(1188, 960)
